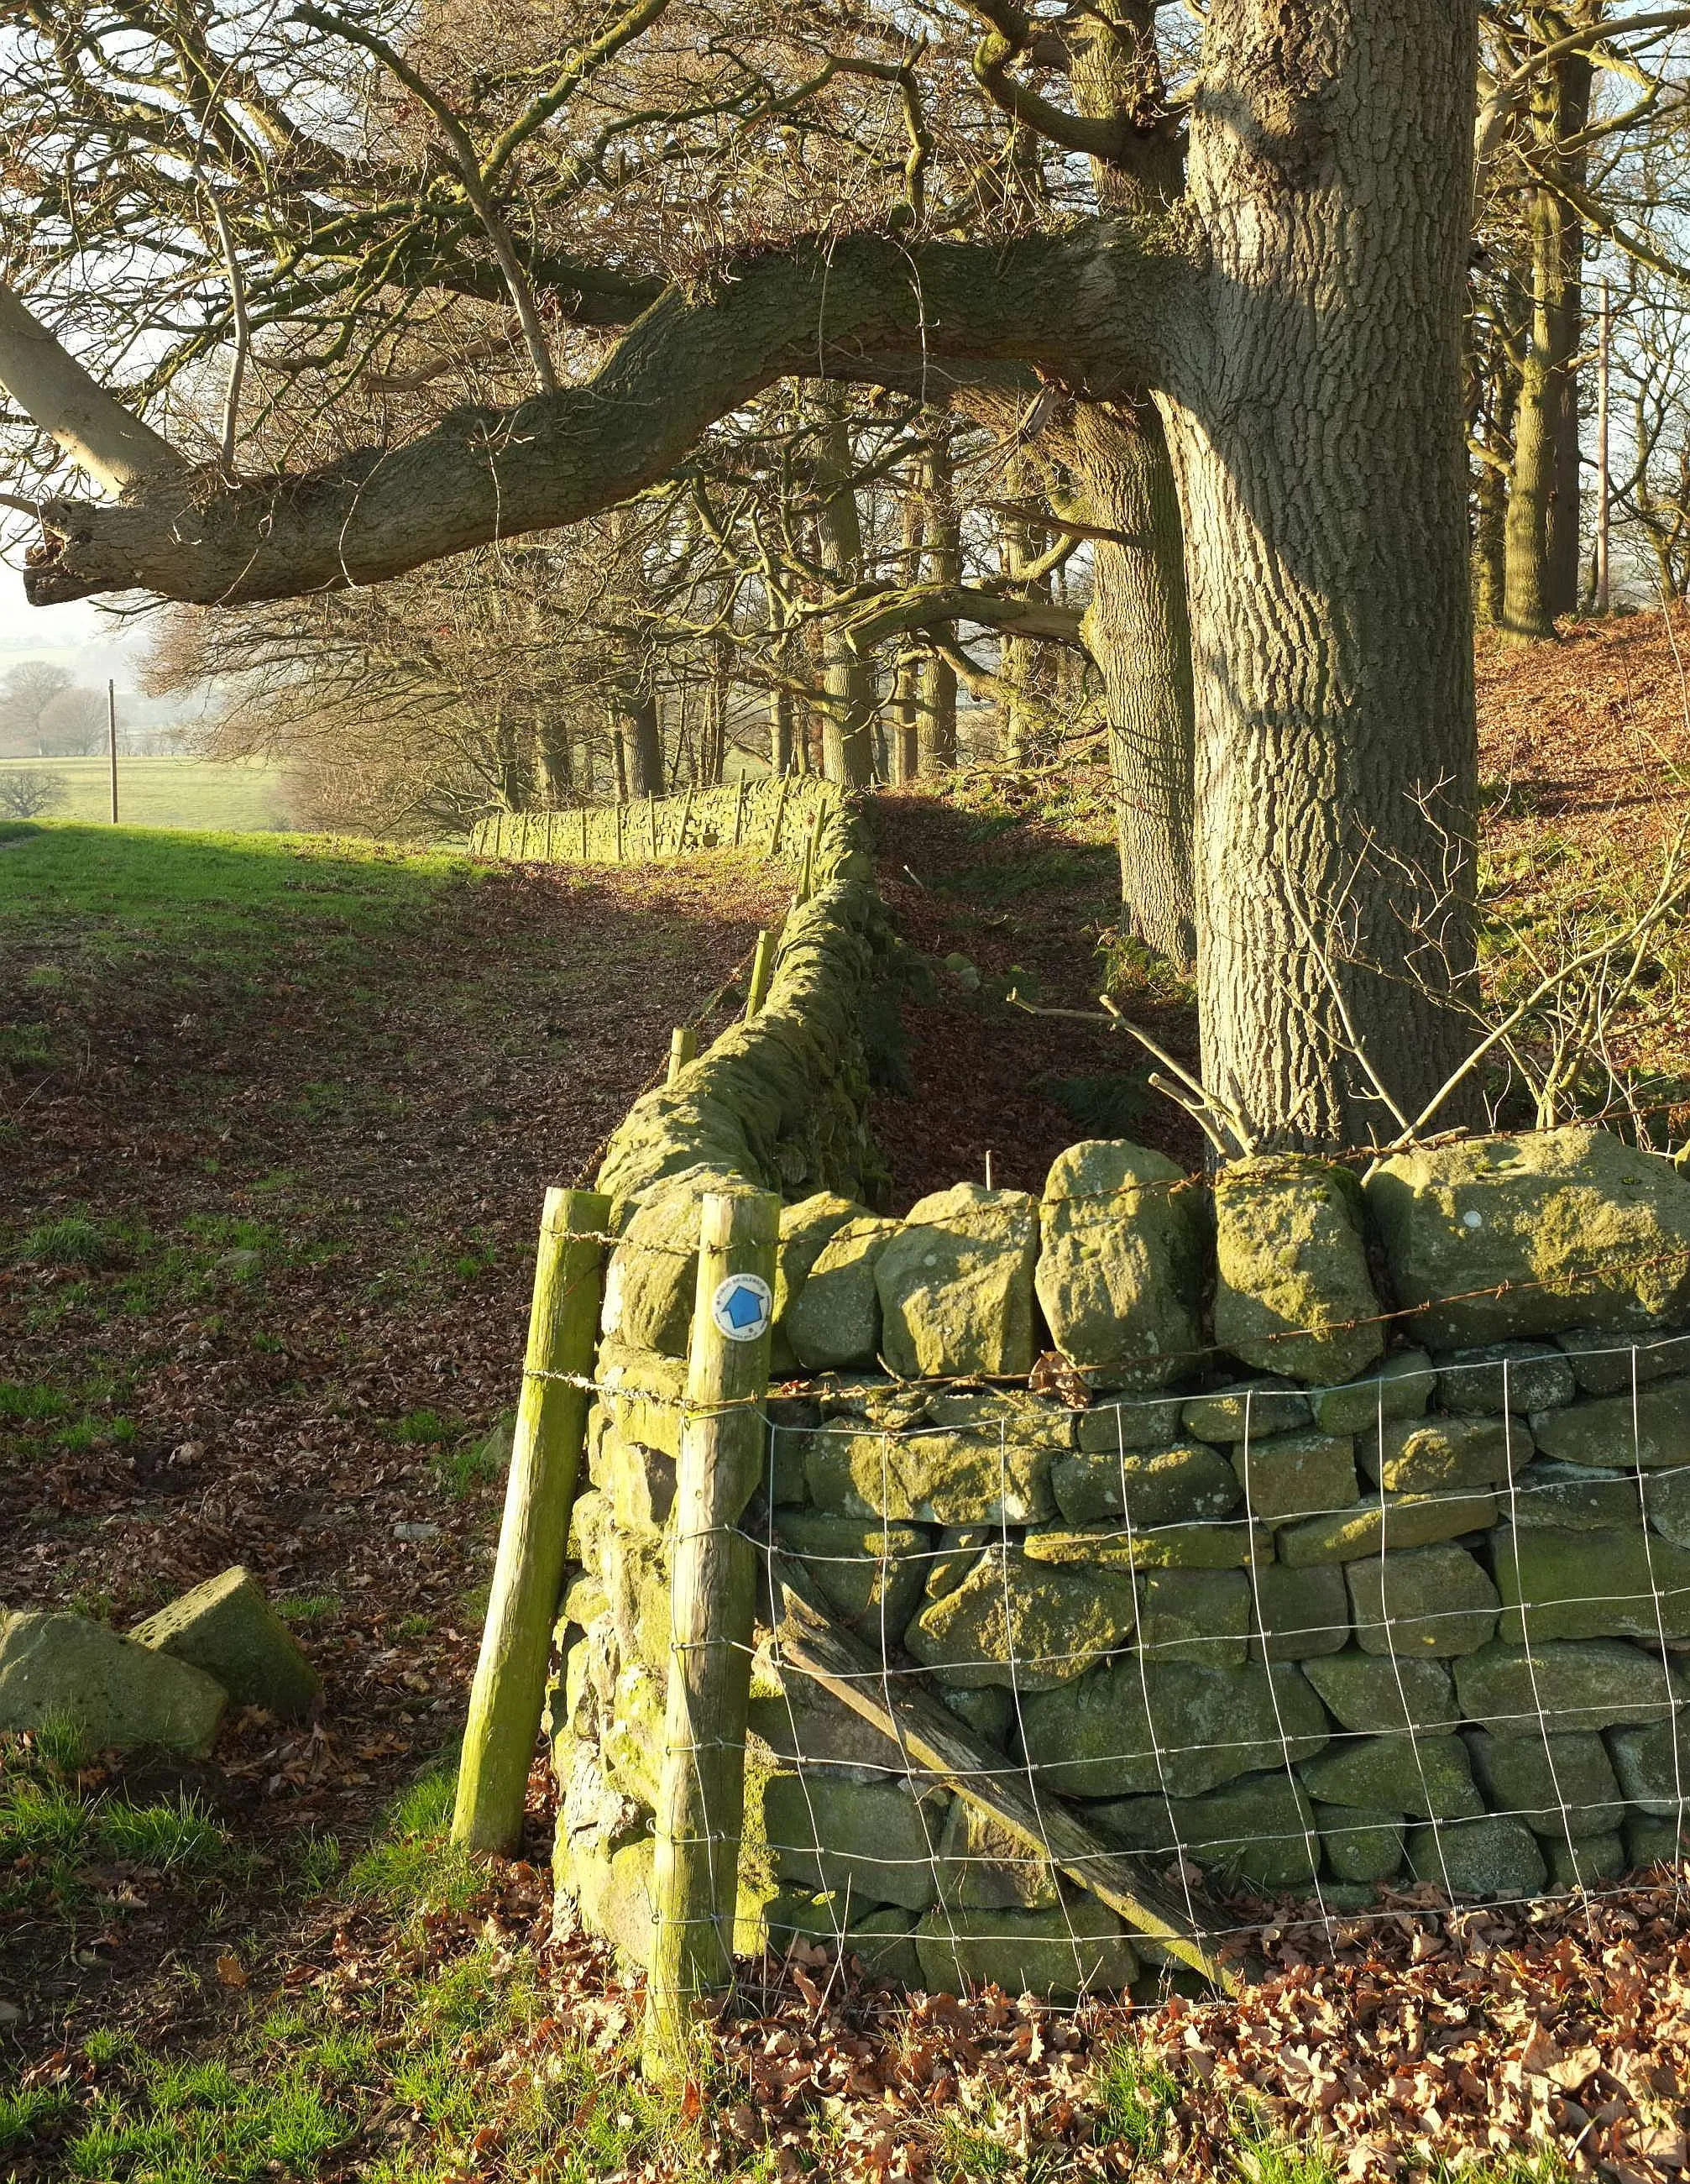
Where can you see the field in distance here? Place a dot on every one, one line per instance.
(250, 798)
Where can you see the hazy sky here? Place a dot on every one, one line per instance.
(88, 639)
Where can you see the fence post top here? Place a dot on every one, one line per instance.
(738, 1217)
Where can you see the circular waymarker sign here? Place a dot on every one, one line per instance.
(742, 1306)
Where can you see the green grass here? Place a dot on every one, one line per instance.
(50, 1836)
(165, 792)
(125, 888)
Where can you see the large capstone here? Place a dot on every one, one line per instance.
(1427, 1602)
(1178, 1485)
(1291, 1258)
(1134, 1729)
(1077, 1948)
(834, 1320)
(117, 1696)
(1591, 1584)
(650, 1282)
(1120, 1263)
(1257, 1834)
(805, 1231)
(1576, 1683)
(1564, 1229)
(227, 1627)
(956, 1284)
(1022, 1624)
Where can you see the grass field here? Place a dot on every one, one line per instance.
(166, 792)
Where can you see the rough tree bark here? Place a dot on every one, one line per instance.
(848, 680)
(942, 528)
(1314, 420)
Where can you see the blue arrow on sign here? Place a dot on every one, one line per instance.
(743, 1308)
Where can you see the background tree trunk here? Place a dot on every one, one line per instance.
(942, 528)
(848, 682)
(1314, 417)
(1138, 631)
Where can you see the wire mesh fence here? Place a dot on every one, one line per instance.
(1419, 1640)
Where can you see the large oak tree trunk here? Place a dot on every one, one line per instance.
(849, 681)
(1316, 425)
(941, 530)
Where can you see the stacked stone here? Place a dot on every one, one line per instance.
(1356, 1613)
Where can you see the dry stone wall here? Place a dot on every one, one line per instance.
(1353, 1550)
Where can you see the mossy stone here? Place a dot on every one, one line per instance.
(1194, 1615)
(884, 1944)
(956, 1285)
(1159, 1546)
(653, 1275)
(1429, 1777)
(637, 1481)
(1424, 1602)
(1444, 1455)
(642, 1393)
(989, 1711)
(1298, 1614)
(1178, 1485)
(613, 1888)
(959, 1548)
(1134, 1727)
(1384, 1524)
(984, 1866)
(1504, 1376)
(1650, 1432)
(1574, 1684)
(1496, 1859)
(227, 1627)
(117, 1694)
(873, 1839)
(1133, 1423)
(929, 1478)
(834, 1320)
(1119, 1271)
(1567, 1228)
(1296, 1474)
(1574, 1498)
(1251, 1410)
(1361, 1845)
(872, 1575)
(1558, 1784)
(1077, 1948)
(1010, 1414)
(806, 1229)
(1586, 1861)
(630, 1735)
(1606, 1364)
(1258, 1833)
(1290, 1257)
(1401, 1388)
(1015, 1623)
(1649, 1841)
(1667, 1496)
(1375, 1697)
(1591, 1584)
(1653, 1767)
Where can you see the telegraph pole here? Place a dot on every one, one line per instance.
(111, 740)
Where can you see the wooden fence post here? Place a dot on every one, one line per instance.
(713, 1589)
(621, 821)
(509, 1694)
(762, 973)
(683, 1045)
(739, 815)
(651, 820)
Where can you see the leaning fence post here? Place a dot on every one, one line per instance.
(762, 973)
(713, 1586)
(508, 1693)
(683, 1046)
